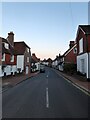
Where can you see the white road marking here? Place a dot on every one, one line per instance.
(75, 85)
(47, 76)
(47, 98)
(81, 89)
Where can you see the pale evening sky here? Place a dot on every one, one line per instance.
(47, 27)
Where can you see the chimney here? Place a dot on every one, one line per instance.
(11, 38)
(71, 44)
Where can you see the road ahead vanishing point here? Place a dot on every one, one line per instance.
(46, 95)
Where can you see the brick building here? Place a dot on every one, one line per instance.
(83, 50)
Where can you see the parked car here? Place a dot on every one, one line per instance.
(42, 68)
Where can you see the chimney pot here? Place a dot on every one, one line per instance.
(71, 44)
(11, 38)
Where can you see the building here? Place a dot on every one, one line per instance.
(49, 61)
(23, 57)
(45, 62)
(55, 62)
(8, 56)
(0, 56)
(69, 57)
(83, 50)
(35, 63)
(15, 57)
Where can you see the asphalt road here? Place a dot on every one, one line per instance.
(46, 95)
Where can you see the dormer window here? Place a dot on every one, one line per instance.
(12, 58)
(6, 45)
(81, 45)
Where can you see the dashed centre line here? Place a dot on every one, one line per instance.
(47, 98)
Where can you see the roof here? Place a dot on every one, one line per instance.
(8, 51)
(20, 47)
(69, 50)
(85, 28)
(34, 59)
(4, 40)
(22, 42)
(49, 60)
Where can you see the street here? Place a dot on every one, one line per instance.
(46, 95)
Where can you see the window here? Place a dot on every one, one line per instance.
(27, 50)
(75, 50)
(6, 45)
(3, 57)
(27, 59)
(81, 46)
(12, 58)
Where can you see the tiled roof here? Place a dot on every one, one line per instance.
(20, 47)
(8, 51)
(85, 28)
(34, 58)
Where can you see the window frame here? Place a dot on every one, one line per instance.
(6, 45)
(3, 57)
(81, 45)
(12, 58)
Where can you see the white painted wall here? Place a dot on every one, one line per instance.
(79, 65)
(1, 73)
(53, 64)
(45, 63)
(20, 62)
(14, 69)
(37, 66)
(61, 67)
(7, 70)
(56, 63)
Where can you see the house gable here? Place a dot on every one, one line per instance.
(70, 55)
(83, 34)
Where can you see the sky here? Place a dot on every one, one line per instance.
(47, 27)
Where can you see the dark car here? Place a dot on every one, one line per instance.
(42, 68)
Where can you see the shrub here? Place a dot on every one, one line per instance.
(70, 68)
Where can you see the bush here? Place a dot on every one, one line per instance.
(70, 68)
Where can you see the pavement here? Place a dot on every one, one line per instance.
(10, 81)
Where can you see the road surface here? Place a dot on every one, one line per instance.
(46, 95)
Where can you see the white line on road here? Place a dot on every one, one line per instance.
(74, 84)
(47, 76)
(47, 98)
